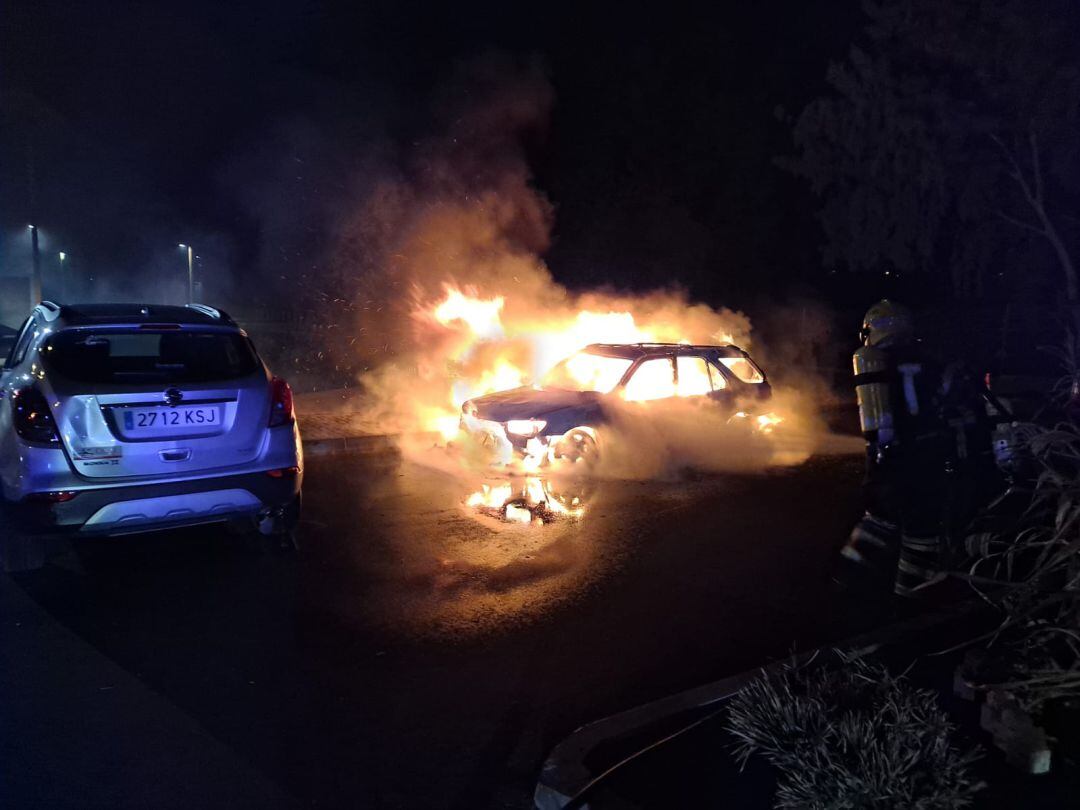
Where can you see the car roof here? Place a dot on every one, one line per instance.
(632, 351)
(91, 314)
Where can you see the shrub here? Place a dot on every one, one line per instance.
(851, 738)
(1030, 571)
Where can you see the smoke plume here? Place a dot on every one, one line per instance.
(436, 265)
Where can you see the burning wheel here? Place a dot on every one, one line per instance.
(578, 446)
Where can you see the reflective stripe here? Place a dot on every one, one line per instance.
(920, 543)
(907, 568)
(918, 565)
(851, 554)
(865, 538)
(878, 523)
(911, 398)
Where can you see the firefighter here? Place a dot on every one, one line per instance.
(897, 544)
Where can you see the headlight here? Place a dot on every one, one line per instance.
(525, 427)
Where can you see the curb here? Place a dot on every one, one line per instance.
(565, 776)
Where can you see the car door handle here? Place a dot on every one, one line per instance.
(179, 454)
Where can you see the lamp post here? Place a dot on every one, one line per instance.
(35, 279)
(190, 274)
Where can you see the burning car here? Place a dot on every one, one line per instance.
(561, 417)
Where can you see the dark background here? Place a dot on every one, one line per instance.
(797, 161)
(124, 125)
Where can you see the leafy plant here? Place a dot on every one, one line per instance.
(1031, 572)
(1067, 387)
(852, 738)
(944, 122)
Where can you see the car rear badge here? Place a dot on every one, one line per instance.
(173, 396)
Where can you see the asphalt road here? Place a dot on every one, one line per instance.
(418, 653)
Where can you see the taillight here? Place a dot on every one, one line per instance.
(62, 496)
(281, 402)
(32, 417)
(284, 472)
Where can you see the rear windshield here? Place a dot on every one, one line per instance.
(116, 356)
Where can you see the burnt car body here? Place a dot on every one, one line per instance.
(560, 416)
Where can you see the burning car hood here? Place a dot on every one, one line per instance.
(529, 403)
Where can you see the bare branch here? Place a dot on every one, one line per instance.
(1016, 174)
(1021, 224)
(1034, 199)
(1036, 168)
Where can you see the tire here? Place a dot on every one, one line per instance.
(278, 532)
(579, 448)
(20, 552)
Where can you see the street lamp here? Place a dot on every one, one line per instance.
(35, 280)
(190, 274)
(63, 277)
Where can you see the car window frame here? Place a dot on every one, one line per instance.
(632, 372)
(705, 360)
(21, 345)
(716, 372)
(730, 373)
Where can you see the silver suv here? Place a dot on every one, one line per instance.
(124, 418)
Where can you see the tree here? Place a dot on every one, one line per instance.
(948, 140)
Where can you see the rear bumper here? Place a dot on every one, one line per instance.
(149, 507)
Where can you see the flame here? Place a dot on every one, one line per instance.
(762, 423)
(493, 497)
(468, 341)
(767, 421)
(446, 425)
(488, 348)
(516, 513)
(480, 315)
(533, 501)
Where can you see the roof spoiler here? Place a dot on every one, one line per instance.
(216, 314)
(49, 309)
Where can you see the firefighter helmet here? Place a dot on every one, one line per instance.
(887, 324)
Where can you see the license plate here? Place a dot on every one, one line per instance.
(183, 419)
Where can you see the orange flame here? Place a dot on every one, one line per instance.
(481, 316)
(490, 350)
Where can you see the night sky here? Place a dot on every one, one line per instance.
(658, 158)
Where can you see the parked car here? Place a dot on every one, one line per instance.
(117, 419)
(563, 416)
